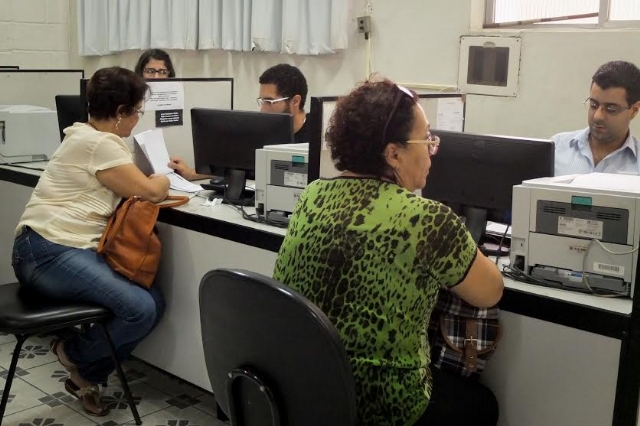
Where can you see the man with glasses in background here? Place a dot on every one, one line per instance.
(283, 89)
(606, 146)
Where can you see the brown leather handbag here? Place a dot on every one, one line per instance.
(129, 243)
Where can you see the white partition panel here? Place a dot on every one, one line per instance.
(38, 87)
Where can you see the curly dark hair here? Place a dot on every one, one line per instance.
(355, 131)
(157, 54)
(619, 74)
(289, 81)
(110, 88)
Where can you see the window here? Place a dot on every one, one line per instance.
(590, 13)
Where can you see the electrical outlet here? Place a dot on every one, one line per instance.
(364, 24)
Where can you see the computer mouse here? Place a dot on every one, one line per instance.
(217, 180)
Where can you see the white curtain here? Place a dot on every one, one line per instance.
(305, 27)
(224, 24)
(108, 26)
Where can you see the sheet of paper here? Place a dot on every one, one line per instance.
(450, 114)
(496, 228)
(610, 181)
(165, 95)
(181, 184)
(152, 144)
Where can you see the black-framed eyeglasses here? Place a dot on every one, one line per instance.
(156, 71)
(396, 101)
(609, 109)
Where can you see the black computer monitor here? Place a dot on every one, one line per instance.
(70, 110)
(225, 143)
(475, 174)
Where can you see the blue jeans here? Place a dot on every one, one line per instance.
(69, 273)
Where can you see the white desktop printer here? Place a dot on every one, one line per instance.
(281, 175)
(555, 221)
(27, 133)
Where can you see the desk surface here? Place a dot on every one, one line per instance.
(607, 316)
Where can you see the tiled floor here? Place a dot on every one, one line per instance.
(38, 398)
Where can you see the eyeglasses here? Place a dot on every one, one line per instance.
(432, 141)
(156, 71)
(609, 109)
(396, 102)
(270, 102)
(140, 112)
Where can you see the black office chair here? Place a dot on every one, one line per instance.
(26, 314)
(272, 356)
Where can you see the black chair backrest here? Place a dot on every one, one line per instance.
(255, 326)
(70, 110)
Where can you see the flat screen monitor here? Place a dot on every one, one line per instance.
(475, 174)
(70, 110)
(225, 143)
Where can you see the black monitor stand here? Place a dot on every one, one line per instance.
(230, 185)
(236, 188)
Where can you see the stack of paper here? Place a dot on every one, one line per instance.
(152, 144)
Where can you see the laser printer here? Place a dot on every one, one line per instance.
(565, 227)
(27, 133)
(281, 175)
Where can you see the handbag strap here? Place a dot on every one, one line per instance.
(470, 324)
(115, 222)
(178, 200)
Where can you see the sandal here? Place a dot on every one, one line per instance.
(54, 349)
(89, 397)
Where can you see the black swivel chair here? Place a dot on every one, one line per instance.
(25, 315)
(272, 356)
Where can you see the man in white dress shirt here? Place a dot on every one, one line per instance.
(607, 145)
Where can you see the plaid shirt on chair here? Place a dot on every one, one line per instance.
(456, 345)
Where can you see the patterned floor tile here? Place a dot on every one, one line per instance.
(207, 404)
(38, 397)
(35, 352)
(148, 400)
(176, 417)
(48, 378)
(46, 416)
(22, 396)
(134, 371)
(6, 338)
(170, 385)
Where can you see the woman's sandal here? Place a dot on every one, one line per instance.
(89, 397)
(54, 349)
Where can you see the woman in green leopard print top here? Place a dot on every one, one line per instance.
(372, 254)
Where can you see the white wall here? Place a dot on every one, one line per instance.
(35, 33)
(416, 41)
(555, 76)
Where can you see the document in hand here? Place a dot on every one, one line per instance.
(151, 143)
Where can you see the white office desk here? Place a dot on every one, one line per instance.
(557, 363)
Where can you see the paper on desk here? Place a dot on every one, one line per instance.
(496, 228)
(609, 181)
(151, 142)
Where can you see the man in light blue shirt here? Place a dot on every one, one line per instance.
(607, 145)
